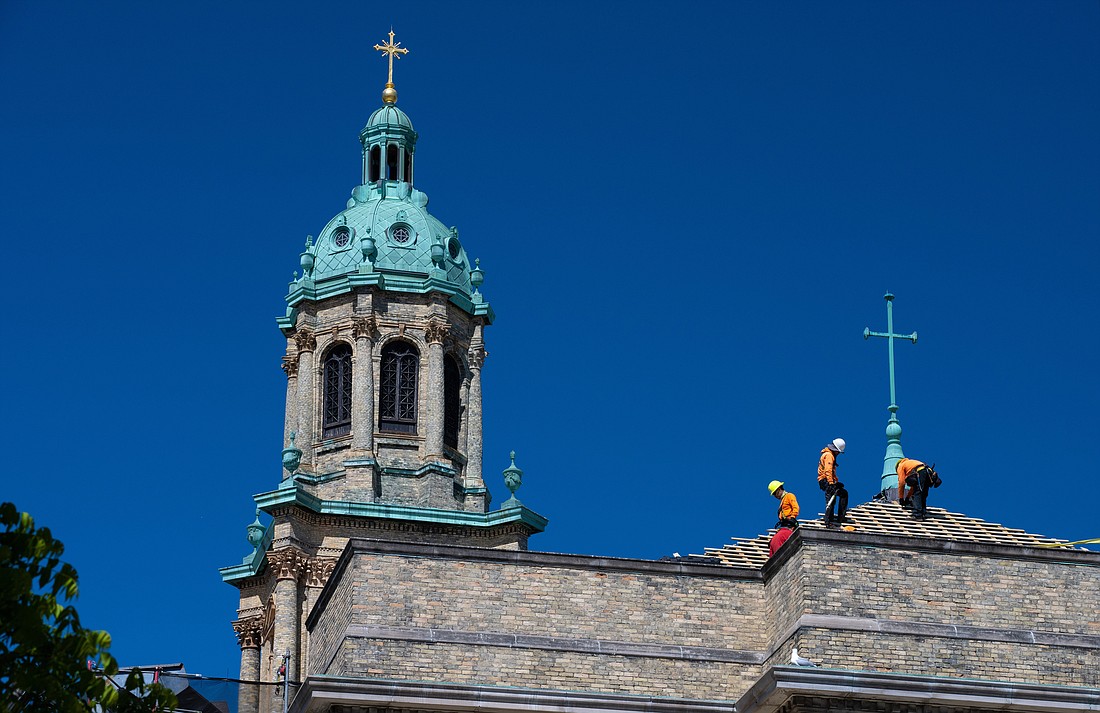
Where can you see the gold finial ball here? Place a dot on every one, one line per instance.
(389, 95)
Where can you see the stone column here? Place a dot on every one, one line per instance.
(436, 331)
(249, 631)
(463, 421)
(362, 384)
(473, 477)
(287, 565)
(307, 344)
(290, 423)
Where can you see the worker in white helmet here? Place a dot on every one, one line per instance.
(836, 497)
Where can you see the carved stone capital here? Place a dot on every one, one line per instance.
(250, 631)
(436, 332)
(305, 340)
(290, 366)
(286, 564)
(364, 327)
(477, 356)
(318, 571)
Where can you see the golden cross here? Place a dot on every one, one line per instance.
(393, 49)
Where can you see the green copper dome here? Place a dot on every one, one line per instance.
(386, 238)
(389, 116)
(409, 242)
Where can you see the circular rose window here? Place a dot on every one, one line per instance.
(341, 237)
(400, 234)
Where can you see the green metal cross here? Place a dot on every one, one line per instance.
(893, 427)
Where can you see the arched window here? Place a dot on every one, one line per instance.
(397, 398)
(452, 401)
(375, 163)
(391, 163)
(337, 400)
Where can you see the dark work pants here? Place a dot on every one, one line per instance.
(919, 482)
(840, 504)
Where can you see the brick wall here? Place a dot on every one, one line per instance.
(462, 615)
(558, 621)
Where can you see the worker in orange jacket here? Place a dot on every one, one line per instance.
(836, 497)
(788, 505)
(918, 477)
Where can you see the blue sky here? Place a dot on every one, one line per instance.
(686, 218)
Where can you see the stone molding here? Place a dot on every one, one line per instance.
(364, 327)
(318, 570)
(435, 332)
(358, 694)
(290, 366)
(813, 690)
(287, 563)
(942, 631)
(249, 631)
(600, 647)
(804, 536)
(477, 357)
(305, 340)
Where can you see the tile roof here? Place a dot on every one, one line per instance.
(887, 518)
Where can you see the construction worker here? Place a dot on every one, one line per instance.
(835, 494)
(914, 479)
(788, 505)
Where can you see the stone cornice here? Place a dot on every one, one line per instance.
(307, 289)
(834, 538)
(296, 496)
(780, 684)
(325, 692)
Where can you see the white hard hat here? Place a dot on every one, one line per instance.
(838, 444)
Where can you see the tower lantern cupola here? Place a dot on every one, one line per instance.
(388, 138)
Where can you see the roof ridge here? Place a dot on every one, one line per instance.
(888, 518)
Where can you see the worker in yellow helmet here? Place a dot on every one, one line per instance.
(788, 505)
(788, 516)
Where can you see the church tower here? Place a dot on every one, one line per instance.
(382, 439)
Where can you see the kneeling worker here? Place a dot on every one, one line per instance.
(918, 477)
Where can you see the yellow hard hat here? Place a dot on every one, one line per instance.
(773, 486)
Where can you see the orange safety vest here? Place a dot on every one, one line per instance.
(826, 467)
(788, 507)
(905, 467)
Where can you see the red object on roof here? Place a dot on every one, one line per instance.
(778, 539)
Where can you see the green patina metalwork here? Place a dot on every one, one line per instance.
(513, 478)
(253, 562)
(893, 426)
(385, 237)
